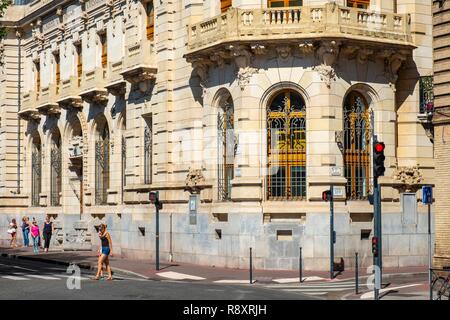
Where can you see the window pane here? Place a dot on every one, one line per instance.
(277, 182)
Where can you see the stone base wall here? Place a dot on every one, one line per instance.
(273, 246)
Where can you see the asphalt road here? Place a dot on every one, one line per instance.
(22, 279)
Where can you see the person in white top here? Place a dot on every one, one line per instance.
(13, 232)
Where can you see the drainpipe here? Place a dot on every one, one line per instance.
(19, 102)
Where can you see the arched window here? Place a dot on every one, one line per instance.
(356, 146)
(36, 171)
(286, 147)
(226, 148)
(148, 147)
(123, 158)
(55, 169)
(102, 164)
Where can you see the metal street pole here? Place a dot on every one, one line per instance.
(331, 233)
(429, 250)
(157, 230)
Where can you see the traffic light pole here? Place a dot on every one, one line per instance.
(157, 236)
(377, 235)
(332, 233)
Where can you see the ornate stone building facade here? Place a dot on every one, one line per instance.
(441, 121)
(240, 113)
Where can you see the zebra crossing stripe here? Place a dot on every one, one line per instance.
(15, 278)
(43, 277)
(316, 289)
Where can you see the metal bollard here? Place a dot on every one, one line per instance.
(356, 273)
(300, 266)
(251, 267)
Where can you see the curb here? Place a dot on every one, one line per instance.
(65, 263)
(87, 266)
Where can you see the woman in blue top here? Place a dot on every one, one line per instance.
(26, 231)
(104, 252)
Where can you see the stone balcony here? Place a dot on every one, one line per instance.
(139, 62)
(28, 109)
(93, 86)
(47, 102)
(301, 26)
(69, 93)
(115, 85)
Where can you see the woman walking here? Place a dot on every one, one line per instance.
(47, 232)
(13, 232)
(35, 235)
(26, 231)
(104, 252)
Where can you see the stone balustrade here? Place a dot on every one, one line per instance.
(294, 23)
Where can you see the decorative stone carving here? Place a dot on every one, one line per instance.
(327, 53)
(201, 68)
(283, 52)
(391, 66)
(407, 179)
(243, 58)
(219, 57)
(339, 138)
(194, 181)
(259, 49)
(95, 96)
(2, 54)
(306, 48)
(117, 88)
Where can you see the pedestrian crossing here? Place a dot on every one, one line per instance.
(17, 276)
(316, 288)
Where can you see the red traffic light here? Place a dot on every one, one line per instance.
(379, 147)
(326, 195)
(374, 240)
(153, 197)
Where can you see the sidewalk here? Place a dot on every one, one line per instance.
(184, 271)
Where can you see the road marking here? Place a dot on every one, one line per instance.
(292, 280)
(232, 281)
(319, 285)
(369, 295)
(43, 277)
(178, 276)
(15, 278)
(315, 289)
(68, 276)
(17, 267)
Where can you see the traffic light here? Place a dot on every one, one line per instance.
(326, 195)
(378, 159)
(375, 246)
(154, 198)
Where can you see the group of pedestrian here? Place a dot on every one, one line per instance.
(32, 233)
(31, 229)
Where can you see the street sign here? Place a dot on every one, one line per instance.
(427, 195)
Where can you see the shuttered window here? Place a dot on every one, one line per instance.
(57, 72)
(361, 4)
(225, 5)
(104, 43)
(150, 20)
(284, 3)
(79, 64)
(38, 78)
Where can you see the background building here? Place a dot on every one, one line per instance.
(255, 106)
(441, 121)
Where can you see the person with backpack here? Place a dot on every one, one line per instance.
(47, 231)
